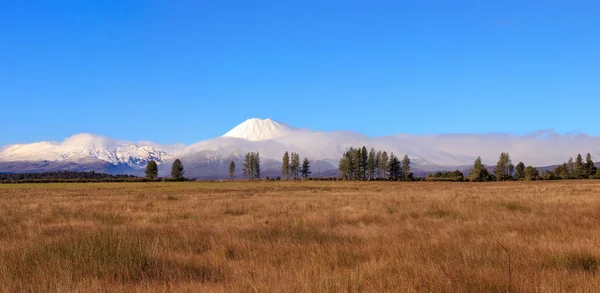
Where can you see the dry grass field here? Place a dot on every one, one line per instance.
(301, 237)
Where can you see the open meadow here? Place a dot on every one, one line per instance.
(300, 237)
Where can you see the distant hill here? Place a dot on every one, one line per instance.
(209, 159)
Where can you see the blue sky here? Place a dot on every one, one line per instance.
(184, 72)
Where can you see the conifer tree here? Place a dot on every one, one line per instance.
(479, 173)
(589, 165)
(305, 168)
(247, 166)
(297, 166)
(371, 165)
(285, 166)
(562, 171)
(383, 164)
(231, 170)
(344, 167)
(251, 166)
(504, 168)
(351, 163)
(356, 160)
(406, 168)
(570, 169)
(531, 173)
(364, 160)
(580, 171)
(520, 173)
(294, 165)
(378, 165)
(151, 170)
(394, 168)
(177, 170)
(256, 163)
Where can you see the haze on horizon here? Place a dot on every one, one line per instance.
(187, 72)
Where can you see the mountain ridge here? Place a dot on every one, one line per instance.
(272, 138)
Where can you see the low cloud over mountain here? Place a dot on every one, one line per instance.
(210, 158)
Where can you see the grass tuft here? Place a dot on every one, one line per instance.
(515, 206)
(582, 261)
(119, 256)
(441, 213)
(345, 237)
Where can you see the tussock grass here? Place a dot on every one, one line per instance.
(440, 213)
(516, 206)
(577, 262)
(300, 237)
(113, 256)
(236, 211)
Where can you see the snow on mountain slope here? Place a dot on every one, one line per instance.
(272, 139)
(256, 129)
(85, 146)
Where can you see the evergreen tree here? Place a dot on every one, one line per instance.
(504, 168)
(589, 165)
(297, 169)
(344, 167)
(285, 166)
(378, 165)
(562, 171)
(394, 168)
(294, 165)
(247, 167)
(598, 173)
(151, 170)
(406, 168)
(479, 173)
(351, 163)
(356, 160)
(570, 169)
(177, 170)
(383, 165)
(231, 170)
(256, 163)
(371, 165)
(520, 174)
(364, 161)
(251, 166)
(580, 171)
(531, 173)
(305, 168)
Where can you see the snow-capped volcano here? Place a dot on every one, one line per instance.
(210, 158)
(256, 129)
(85, 146)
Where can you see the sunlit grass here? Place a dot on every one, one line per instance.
(300, 237)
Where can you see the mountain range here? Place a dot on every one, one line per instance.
(209, 159)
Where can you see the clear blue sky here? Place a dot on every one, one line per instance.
(184, 71)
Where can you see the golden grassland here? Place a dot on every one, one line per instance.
(301, 237)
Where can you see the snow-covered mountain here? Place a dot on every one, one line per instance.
(210, 158)
(255, 129)
(81, 147)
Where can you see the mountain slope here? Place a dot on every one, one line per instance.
(210, 158)
(81, 147)
(255, 129)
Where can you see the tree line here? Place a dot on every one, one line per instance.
(505, 170)
(292, 168)
(66, 176)
(355, 164)
(177, 171)
(360, 164)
